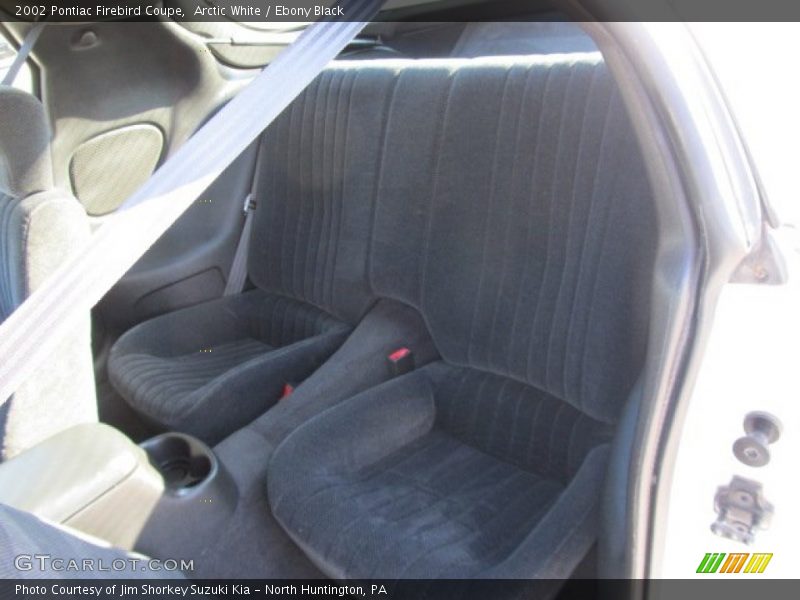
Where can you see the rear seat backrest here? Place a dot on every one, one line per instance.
(514, 212)
(318, 180)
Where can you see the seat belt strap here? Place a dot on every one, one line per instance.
(24, 51)
(238, 273)
(30, 334)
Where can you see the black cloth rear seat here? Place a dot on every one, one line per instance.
(212, 368)
(513, 212)
(506, 201)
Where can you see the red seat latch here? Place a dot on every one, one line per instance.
(401, 361)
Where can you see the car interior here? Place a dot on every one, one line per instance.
(437, 355)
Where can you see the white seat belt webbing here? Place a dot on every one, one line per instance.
(24, 51)
(238, 273)
(29, 335)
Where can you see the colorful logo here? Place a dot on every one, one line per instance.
(744, 562)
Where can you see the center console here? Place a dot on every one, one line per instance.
(94, 479)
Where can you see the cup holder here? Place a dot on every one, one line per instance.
(183, 461)
(199, 492)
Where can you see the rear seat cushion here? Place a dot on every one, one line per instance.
(443, 473)
(212, 368)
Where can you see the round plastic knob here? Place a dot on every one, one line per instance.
(762, 429)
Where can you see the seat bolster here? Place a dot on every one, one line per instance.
(187, 330)
(565, 533)
(246, 391)
(347, 438)
(210, 369)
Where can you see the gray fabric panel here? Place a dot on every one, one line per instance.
(25, 163)
(38, 233)
(24, 534)
(212, 368)
(384, 485)
(312, 225)
(526, 218)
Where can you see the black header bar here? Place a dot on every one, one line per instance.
(269, 11)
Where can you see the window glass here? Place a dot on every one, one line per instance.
(8, 52)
